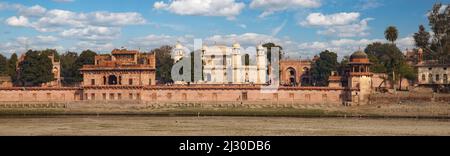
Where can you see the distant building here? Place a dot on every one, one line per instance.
(295, 72)
(121, 68)
(225, 65)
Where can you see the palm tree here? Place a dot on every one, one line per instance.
(391, 34)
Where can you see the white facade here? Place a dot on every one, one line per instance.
(225, 65)
(434, 74)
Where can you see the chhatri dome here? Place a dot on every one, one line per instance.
(236, 45)
(178, 46)
(359, 57)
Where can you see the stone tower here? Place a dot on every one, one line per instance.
(360, 78)
(261, 64)
(178, 52)
(236, 63)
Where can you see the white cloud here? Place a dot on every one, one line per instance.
(351, 30)
(35, 10)
(92, 33)
(368, 4)
(20, 21)
(226, 8)
(319, 19)
(272, 6)
(277, 29)
(100, 47)
(339, 24)
(345, 47)
(22, 44)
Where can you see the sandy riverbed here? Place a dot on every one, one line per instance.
(228, 126)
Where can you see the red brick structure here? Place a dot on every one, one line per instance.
(295, 72)
(128, 77)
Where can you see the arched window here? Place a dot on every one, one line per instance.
(430, 78)
(104, 80)
(437, 77)
(445, 78)
(423, 77)
(112, 80)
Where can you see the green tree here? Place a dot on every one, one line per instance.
(69, 71)
(391, 34)
(3, 65)
(323, 67)
(12, 67)
(422, 38)
(164, 63)
(269, 50)
(49, 52)
(35, 69)
(86, 57)
(439, 21)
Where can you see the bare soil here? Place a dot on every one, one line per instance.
(218, 125)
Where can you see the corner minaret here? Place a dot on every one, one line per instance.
(261, 64)
(360, 78)
(178, 52)
(236, 63)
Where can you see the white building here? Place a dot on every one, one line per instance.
(225, 65)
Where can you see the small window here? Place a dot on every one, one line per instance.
(92, 96)
(104, 96)
(138, 96)
(92, 81)
(150, 82)
(307, 97)
(244, 96)
(423, 77)
(119, 96)
(291, 95)
(184, 96)
(130, 81)
(130, 96)
(437, 77)
(111, 96)
(154, 96)
(445, 68)
(430, 68)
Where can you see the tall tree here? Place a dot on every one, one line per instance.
(323, 67)
(36, 69)
(12, 67)
(69, 71)
(86, 57)
(439, 21)
(3, 65)
(391, 34)
(53, 52)
(269, 46)
(164, 63)
(422, 38)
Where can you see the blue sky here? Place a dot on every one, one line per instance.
(302, 27)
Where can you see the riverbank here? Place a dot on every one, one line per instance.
(217, 126)
(403, 110)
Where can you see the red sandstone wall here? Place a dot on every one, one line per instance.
(67, 95)
(168, 95)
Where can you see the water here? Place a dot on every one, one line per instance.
(211, 126)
